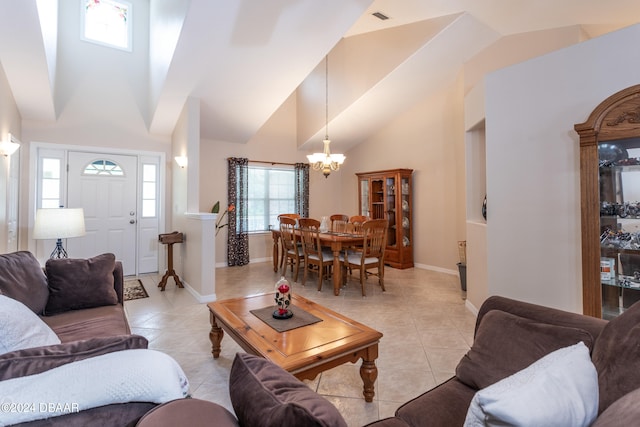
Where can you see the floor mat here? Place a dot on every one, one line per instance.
(133, 289)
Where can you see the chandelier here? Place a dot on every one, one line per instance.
(325, 161)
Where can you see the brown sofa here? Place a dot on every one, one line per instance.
(509, 336)
(82, 302)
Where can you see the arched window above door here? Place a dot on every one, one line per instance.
(103, 167)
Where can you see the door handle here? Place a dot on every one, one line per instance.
(132, 221)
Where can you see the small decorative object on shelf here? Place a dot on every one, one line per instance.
(607, 268)
(484, 208)
(283, 299)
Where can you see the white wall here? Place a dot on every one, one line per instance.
(533, 182)
(9, 123)
(196, 254)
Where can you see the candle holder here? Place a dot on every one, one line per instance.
(283, 299)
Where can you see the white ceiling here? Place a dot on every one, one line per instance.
(244, 58)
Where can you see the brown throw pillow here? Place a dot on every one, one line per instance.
(23, 280)
(616, 356)
(506, 343)
(33, 361)
(80, 283)
(264, 394)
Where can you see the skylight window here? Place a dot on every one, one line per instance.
(107, 22)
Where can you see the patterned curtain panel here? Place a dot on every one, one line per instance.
(302, 189)
(237, 191)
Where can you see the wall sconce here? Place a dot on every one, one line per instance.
(9, 146)
(181, 161)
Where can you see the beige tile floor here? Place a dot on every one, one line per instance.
(426, 327)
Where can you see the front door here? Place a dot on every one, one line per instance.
(104, 185)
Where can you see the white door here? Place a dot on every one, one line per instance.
(104, 185)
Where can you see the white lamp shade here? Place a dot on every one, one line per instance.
(338, 158)
(59, 223)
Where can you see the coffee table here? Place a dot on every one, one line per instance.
(305, 351)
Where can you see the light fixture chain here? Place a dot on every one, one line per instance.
(325, 161)
(326, 100)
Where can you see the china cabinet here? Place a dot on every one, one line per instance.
(610, 199)
(388, 195)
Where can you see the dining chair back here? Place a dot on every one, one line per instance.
(372, 254)
(290, 215)
(339, 222)
(314, 257)
(291, 249)
(356, 222)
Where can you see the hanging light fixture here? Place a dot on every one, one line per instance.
(325, 161)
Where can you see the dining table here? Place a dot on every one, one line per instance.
(334, 240)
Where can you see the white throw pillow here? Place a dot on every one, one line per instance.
(561, 389)
(21, 328)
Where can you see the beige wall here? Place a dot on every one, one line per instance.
(276, 142)
(518, 48)
(428, 138)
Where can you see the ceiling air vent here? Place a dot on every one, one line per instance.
(380, 15)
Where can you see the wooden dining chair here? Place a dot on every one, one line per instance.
(339, 222)
(372, 254)
(291, 249)
(295, 216)
(357, 221)
(314, 256)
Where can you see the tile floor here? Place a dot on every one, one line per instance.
(426, 327)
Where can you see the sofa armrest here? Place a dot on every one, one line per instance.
(118, 281)
(542, 314)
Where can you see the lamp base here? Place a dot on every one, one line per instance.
(59, 251)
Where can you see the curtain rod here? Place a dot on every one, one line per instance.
(271, 163)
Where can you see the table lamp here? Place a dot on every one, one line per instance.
(59, 224)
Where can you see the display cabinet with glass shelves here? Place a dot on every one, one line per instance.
(610, 204)
(387, 195)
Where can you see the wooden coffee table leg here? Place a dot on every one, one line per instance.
(215, 336)
(369, 373)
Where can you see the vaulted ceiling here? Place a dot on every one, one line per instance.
(244, 58)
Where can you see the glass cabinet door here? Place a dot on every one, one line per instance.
(377, 199)
(406, 211)
(619, 172)
(392, 238)
(364, 197)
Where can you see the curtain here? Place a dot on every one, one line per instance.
(302, 189)
(237, 191)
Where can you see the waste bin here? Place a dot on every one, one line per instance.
(462, 269)
(462, 265)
